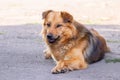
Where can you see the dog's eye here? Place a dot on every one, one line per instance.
(48, 24)
(59, 25)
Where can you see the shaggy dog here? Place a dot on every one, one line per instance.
(70, 43)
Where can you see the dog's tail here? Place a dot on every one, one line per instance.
(108, 49)
(96, 49)
(97, 34)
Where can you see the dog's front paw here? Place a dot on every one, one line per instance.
(47, 54)
(57, 70)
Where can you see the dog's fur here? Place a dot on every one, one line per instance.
(70, 43)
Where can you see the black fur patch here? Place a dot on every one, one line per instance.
(94, 51)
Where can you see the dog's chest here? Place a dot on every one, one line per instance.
(59, 52)
(58, 55)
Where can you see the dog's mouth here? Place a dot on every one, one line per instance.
(53, 39)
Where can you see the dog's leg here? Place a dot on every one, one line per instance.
(47, 54)
(68, 65)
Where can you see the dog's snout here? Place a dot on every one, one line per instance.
(50, 36)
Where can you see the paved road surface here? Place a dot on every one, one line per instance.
(21, 56)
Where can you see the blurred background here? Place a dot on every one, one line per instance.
(15, 12)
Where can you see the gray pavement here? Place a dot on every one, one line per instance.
(21, 56)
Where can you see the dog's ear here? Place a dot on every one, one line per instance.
(45, 13)
(67, 18)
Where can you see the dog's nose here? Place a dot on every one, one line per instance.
(50, 36)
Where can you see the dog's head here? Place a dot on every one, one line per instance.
(57, 26)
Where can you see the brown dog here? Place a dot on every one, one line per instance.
(70, 44)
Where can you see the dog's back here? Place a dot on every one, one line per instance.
(97, 46)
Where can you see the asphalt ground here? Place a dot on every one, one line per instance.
(22, 58)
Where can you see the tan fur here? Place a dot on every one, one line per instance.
(75, 45)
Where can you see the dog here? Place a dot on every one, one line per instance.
(71, 45)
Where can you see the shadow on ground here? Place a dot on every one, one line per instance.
(21, 55)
